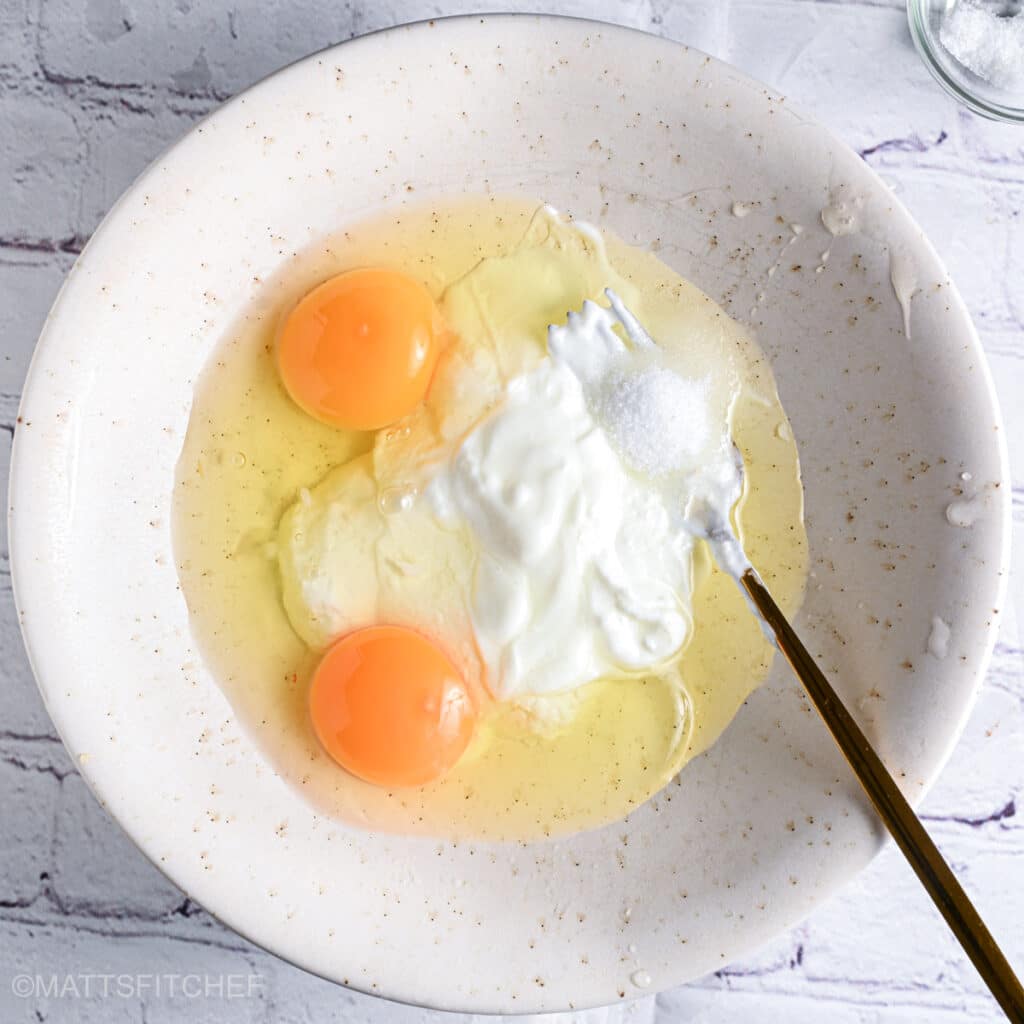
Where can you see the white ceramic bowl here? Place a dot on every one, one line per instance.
(758, 831)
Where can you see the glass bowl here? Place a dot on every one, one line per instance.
(927, 18)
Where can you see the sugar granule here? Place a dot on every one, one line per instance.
(990, 45)
(655, 418)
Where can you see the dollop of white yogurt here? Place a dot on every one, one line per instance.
(580, 493)
(580, 572)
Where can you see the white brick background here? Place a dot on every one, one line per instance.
(90, 92)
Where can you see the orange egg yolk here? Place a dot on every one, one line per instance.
(390, 707)
(359, 350)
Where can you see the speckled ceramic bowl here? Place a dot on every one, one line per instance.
(669, 148)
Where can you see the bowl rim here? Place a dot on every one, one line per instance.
(20, 473)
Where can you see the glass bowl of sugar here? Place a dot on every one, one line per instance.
(975, 49)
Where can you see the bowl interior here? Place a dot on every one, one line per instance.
(890, 402)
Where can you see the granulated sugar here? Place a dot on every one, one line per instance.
(655, 418)
(987, 43)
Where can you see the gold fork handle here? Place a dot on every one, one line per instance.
(892, 807)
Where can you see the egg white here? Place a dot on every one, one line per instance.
(271, 547)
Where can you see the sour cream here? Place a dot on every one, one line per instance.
(579, 572)
(574, 494)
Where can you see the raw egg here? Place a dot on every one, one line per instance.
(359, 350)
(389, 706)
(341, 588)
